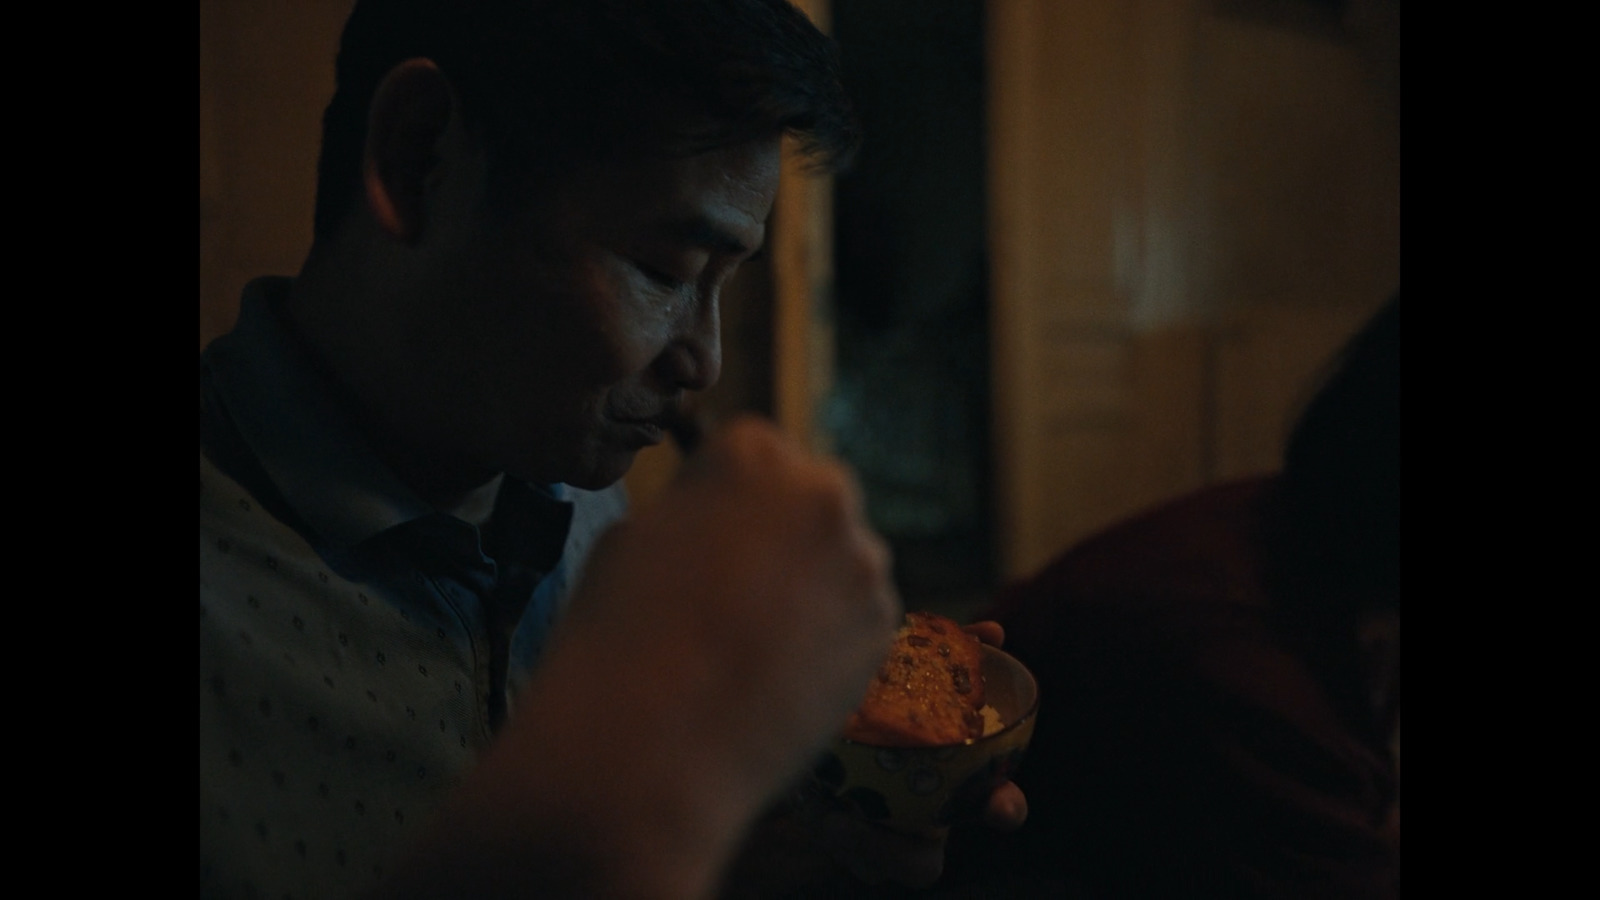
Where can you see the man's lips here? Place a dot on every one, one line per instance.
(654, 428)
(658, 420)
(685, 425)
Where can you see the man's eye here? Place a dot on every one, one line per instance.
(663, 279)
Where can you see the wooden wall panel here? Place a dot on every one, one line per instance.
(266, 72)
(1189, 212)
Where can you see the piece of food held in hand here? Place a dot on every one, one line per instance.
(944, 722)
(929, 692)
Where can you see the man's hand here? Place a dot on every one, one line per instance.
(816, 842)
(750, 602)
(715, 643)
(1007, 808)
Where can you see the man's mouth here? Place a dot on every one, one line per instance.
(655, 421)
(651, 430)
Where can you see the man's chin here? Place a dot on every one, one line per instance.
(593, 465)
(601, 473)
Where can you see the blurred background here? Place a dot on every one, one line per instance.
(1093, 253)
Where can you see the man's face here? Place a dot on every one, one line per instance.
(558, 339)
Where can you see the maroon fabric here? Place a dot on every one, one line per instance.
(1193, 739)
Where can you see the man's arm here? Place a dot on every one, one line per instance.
(717, 641)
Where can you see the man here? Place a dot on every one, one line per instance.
(409, 453)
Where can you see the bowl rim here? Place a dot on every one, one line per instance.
(1033, 707)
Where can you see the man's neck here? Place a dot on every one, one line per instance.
(317, 313)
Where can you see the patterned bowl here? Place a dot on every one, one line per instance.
(924, 790)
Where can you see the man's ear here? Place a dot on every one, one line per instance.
(409, 114)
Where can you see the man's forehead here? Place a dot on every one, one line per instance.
(719, 199)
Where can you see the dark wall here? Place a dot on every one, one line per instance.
(910, 407)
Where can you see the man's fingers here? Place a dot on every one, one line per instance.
(1007, 808)
(991, 633)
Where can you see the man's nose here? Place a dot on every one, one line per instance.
(693, 361)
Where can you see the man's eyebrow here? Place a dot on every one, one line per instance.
(703, 232)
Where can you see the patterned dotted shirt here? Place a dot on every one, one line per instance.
(357, 647)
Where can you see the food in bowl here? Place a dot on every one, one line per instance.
(928, 691)
(925, 788)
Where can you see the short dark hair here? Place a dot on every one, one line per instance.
(549, 83)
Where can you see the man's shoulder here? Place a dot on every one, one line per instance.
(233, 520)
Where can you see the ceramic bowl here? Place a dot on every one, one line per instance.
(924, 790)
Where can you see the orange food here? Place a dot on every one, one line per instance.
(928, 692)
